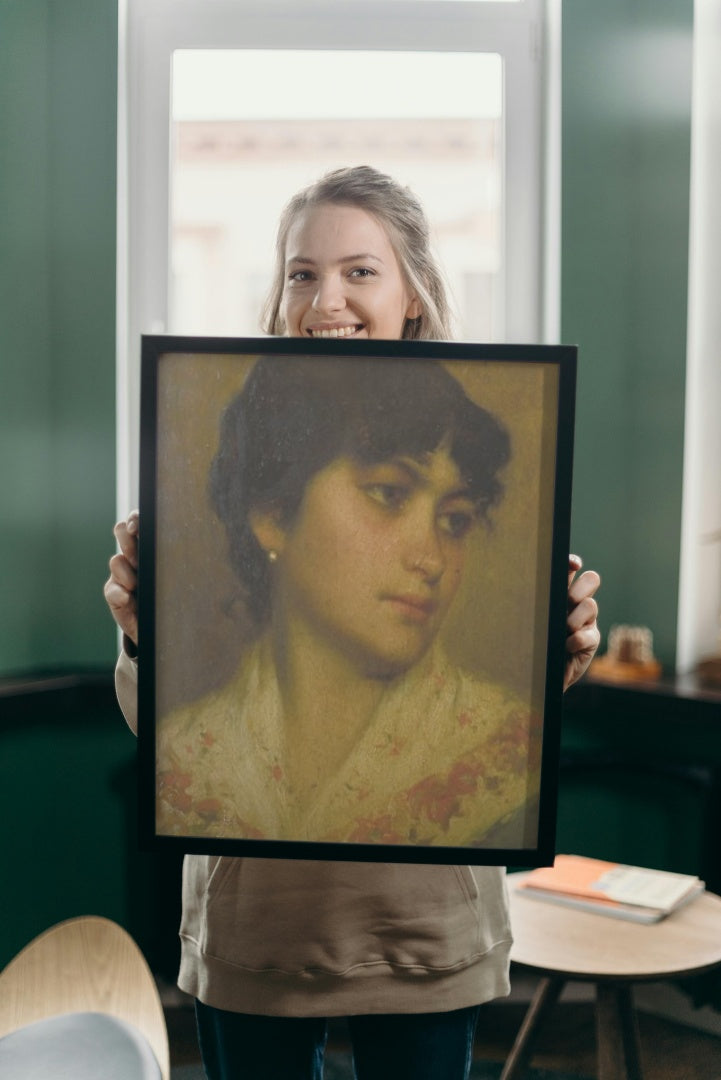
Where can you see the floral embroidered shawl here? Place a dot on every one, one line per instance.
(445, 759)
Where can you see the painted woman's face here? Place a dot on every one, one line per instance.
(342, 277)
(374, 558)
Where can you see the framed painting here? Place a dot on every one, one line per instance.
(352, 597)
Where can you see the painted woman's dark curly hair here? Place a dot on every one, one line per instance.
(296, 415)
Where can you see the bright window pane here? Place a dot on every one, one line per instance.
(469, 1)
(252, 127)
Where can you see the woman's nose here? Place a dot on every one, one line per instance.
(329, 296)
(425, 555)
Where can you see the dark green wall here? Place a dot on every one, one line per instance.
(58, 73)
(626, 145)
(66, 760)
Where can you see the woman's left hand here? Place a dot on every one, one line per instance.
(583, 635)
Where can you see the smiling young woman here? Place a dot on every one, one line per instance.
(270, 948)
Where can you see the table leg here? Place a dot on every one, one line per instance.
(617, 1033)
(545, 997)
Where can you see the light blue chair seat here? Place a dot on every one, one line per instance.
(78, 1046)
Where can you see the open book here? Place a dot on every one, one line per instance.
(608, 888)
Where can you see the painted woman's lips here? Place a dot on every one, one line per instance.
(416, 608)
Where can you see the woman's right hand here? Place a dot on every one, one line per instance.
(121, 587)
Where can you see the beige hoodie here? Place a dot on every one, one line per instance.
(284, 937)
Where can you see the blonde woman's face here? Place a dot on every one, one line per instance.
(342, 277)
(374, 559)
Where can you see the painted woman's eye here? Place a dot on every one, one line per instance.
(456, 523)
(390, 496)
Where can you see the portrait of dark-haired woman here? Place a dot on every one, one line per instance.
(348, 492)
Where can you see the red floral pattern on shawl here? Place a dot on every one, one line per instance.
(445, 759)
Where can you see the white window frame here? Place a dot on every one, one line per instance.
(699, 597)
(526, 34)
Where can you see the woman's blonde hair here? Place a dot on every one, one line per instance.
(403, 217)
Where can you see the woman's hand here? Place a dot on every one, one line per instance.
(583, 635)
(121, 587)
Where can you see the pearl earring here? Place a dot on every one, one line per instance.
(272, 556)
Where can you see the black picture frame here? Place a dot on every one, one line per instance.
(202, 754)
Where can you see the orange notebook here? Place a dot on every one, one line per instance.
(631, 892)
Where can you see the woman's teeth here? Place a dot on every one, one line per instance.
(337, 331)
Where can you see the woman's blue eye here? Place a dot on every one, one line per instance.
(300, 275)
(362, 272)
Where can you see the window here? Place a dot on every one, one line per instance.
(227, 107)
(235, 161)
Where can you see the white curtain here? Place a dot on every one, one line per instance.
(700, 583)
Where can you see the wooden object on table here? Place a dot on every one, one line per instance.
(565, 945)
(605, 667)
(88, 964)
(709, 671)
(630, 656)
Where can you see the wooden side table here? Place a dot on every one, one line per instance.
(562, 944)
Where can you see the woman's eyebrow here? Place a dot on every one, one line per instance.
(362, 256)
(417, 474)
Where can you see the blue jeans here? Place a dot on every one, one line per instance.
(414, 1046)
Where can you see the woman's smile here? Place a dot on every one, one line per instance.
(335, 331)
